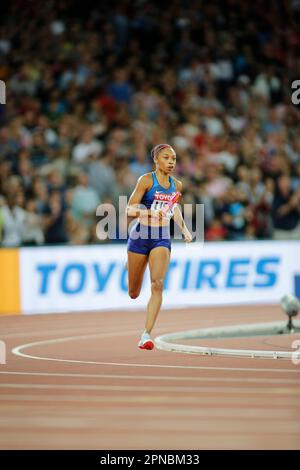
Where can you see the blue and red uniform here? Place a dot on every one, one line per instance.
(143, 238)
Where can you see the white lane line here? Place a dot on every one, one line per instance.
(155, 377)
(128, 388)
(17, 351)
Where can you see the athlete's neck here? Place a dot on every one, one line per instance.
(162, 176)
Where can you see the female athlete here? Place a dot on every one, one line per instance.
(149, 239)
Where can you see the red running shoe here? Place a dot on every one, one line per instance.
(146, 342)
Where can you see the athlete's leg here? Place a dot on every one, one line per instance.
(136, 267)
(159, 259)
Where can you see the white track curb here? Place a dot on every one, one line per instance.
(166, 342)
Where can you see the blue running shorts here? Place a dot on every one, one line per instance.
(143, 238)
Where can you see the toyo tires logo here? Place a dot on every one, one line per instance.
(297, 285)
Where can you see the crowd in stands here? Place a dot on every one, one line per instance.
(89, 92)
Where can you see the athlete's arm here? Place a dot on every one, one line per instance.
(133, 210)
(141, 187)
(178, 219)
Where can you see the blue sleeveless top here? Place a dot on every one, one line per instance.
(157, 195)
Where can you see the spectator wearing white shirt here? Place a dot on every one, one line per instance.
(85, 200)
(13, 222)
(86, 147)
(33, 233)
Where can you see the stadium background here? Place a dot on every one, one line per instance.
(91, 87)
(90, 91)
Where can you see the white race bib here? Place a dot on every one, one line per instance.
(160, 201)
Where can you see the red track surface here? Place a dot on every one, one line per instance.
(119, 397)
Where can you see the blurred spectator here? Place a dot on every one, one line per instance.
(54, 221)
(216, 231)
(237, 214)
(286, 210)
(33, 232)
(86, 147)
(13, 221)
(85, 200)
(102, 177)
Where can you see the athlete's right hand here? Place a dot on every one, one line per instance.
(157, 214)
(188, 237)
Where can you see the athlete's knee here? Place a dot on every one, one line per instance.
(157, 285)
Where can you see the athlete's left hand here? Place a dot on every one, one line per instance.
(187, 236)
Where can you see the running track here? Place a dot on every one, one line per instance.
(80, 382)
